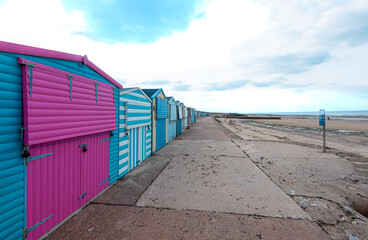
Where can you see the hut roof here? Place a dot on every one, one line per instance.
(40, 52)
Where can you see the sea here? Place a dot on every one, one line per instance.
(361, 115)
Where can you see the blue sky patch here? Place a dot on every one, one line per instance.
(224, 86)
(135, 21)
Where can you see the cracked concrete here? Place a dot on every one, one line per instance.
(330, 187)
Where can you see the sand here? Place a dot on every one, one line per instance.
(313, 123)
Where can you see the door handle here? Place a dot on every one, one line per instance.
(84, 146)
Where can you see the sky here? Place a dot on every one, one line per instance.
(214, 55)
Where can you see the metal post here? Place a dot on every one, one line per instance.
(324, 138)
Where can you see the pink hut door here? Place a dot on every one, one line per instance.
(94, 156)
(53, 175)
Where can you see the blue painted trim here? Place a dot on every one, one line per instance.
(38, 224)
(106, 139)
(39, 156)
(96, 83)
(30, 72)
(108, 178)
(70, 76)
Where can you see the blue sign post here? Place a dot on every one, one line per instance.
(322, 122)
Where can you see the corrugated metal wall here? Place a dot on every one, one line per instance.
(114, 143)
(12, 170)
(57, 106)
(61, 178)
(134, 130)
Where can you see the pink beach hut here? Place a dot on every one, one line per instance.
(58, 137)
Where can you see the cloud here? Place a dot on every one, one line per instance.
(291, 63)
(156, 82)
(224, 86)
(345, 25)
(289, 49)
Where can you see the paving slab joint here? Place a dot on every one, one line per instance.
(172, 157)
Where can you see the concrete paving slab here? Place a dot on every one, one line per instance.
(128, 189)
(98, 221)
(222, 183)
(200, 148)
(205, 129)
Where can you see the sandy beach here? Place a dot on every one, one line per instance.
(361, 126)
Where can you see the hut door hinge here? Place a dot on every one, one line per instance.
(70, 76)
(22, 133)
(28, 230)
(30, 76)
(107, 179)
(82, 196)
(96, 83)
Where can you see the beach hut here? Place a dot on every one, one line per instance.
(193, 112)
(159, 118)
(189, 116)
(185, 117)
(134, 129)
(179, 122)
(172, 119)
(58, 132)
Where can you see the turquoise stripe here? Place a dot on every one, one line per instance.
(38, 157)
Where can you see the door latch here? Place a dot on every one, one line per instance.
(84, 146)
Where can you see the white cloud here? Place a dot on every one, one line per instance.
(236, 40)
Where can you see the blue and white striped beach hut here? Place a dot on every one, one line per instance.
(134, 129)
(172, 118)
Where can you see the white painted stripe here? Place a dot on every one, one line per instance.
(148, 147)
(135, 102)
(139, 111)
(122, 125)
(123, 151)
(122, 134)
(124, 160)
(139, 118)
(122, 143)
(139, 125)
(137, 95)
(121, 116)
(148, 153)
(148, 140)
(123, 170)
(122, 108)
(149, 134)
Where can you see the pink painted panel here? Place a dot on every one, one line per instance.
(94, 167)
(52, 185)
(55, 182)
(52, 114)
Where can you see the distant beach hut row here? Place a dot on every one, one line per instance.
(67, 132)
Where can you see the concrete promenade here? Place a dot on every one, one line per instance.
(199, 186)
